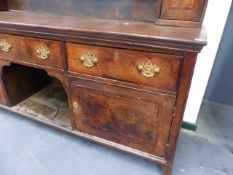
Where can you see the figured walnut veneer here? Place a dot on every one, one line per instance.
(126, 78)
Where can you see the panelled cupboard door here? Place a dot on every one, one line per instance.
(131, 117)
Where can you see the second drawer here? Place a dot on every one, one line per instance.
(144, 68)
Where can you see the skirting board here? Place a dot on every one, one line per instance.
(189, 126)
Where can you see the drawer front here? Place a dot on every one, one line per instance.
(145, 68)
(126, 116)
(31, 50)
(189, 10)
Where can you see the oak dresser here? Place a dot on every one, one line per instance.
(116, 72)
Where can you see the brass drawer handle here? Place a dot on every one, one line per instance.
(43, 53)
(6, 47)
(148, 70)
(89, 60)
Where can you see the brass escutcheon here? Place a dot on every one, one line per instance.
(75, 106)
(43, 53)
(6, 47)
(148, 70)
(89, 60)
(116, 55)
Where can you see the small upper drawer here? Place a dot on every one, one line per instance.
(145, 68)
(31, 50)
(189, 10)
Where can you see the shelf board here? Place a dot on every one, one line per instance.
(102, 28)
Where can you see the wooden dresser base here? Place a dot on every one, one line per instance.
(103, 70)
(48, 103)
(41, 105)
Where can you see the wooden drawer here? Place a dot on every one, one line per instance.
(189, 10)
(31, 50)
(134, 118)
(150, 69)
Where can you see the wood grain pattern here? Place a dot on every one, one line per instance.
(3, 98)
(187, 72)
(116, 114)
(122, 65)
(25, 49)
(3, 5)
(182, 4)
(186, 10)
(188, 4)
(137, 10)
(21, 82)
(111, 103)
(3, 95)
(105, 31)
(109, 9)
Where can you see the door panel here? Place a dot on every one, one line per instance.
(134, 118)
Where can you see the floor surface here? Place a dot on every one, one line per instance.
(29, 148)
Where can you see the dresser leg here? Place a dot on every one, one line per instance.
(167, 169)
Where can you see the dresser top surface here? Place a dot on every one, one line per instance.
(100, 27)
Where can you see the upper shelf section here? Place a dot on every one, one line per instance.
(185, 13)
(143, 10)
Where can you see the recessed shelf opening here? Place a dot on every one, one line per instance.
(33, 92)
(105, 9)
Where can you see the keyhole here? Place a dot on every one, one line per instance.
(116, 55)
(75, 106)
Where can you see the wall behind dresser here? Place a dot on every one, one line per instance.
(215, 19)
(220, 85)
